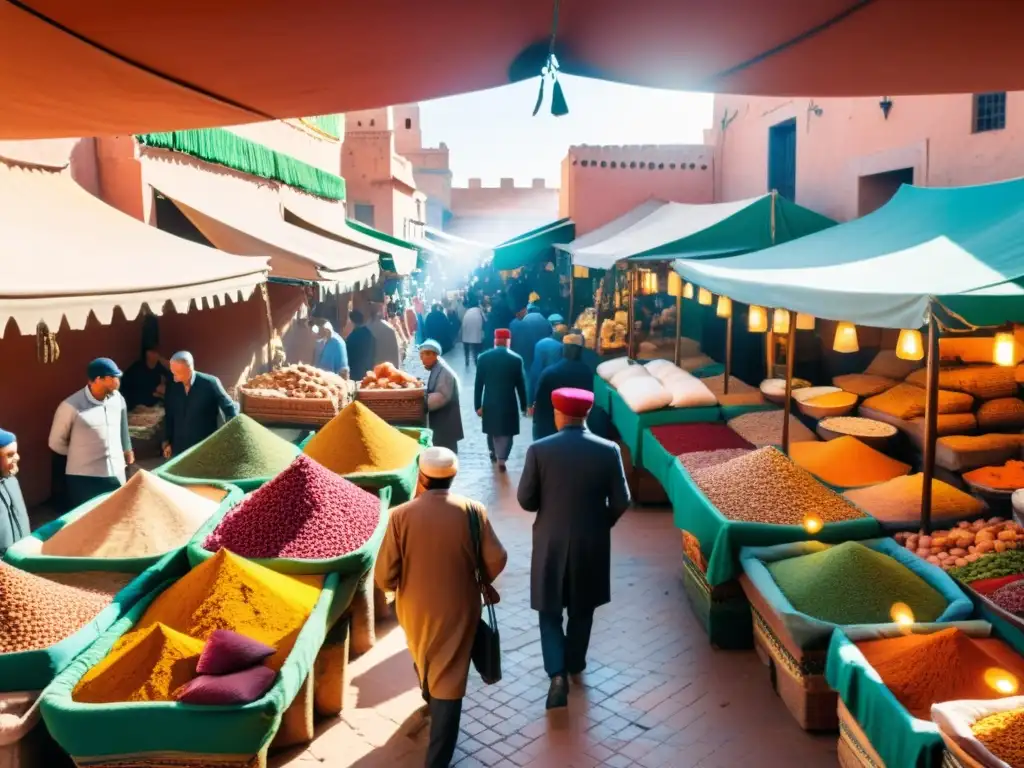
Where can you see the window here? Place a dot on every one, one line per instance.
(989, 111)
(408, 123)
(363, 214)
(781, 159)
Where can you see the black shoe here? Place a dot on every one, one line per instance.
(501, 466)
(558, 693)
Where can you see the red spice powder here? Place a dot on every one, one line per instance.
(678, 439)
(307, 512)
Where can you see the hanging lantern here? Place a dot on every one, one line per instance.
(675, 284)
(757, 319)
(846, 339)
(1005, 351)
(581, 272)
(724, 308)
(688, 291)
(909, 346)
(705, 297)
(780, 321)
(648, 283)
(804, 322)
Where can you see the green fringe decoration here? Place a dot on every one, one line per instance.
(219, 146)
(329, 124)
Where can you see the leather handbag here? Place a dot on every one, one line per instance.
(486, 654)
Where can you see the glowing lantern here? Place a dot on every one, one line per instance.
(804, 322)
(780, 321)
(704, 297)
(813, 524)
(580, 272)
(846, 338)
(757, 319)
(910, 346)
(901, 614)
(1001, 681)
(649, 283)
(688, 291)
(1005, 352)
(724, 308)
(675, 285)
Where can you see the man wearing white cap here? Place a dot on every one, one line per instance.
(444, 416)
(429, 561)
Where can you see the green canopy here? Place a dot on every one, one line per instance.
(658, 229)
(959, 251)
(534, 246)
(396, 255)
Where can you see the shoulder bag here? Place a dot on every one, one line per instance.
(486, 654)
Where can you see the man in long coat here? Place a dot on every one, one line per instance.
(444, 416)
(568, 373)
(428, 560)
(527, 329)
(575, 483)
(499, 396)
(547, 351)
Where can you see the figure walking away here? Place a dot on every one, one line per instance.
(576, 484)
(499, 396)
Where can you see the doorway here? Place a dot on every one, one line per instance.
(782, 159)
(877, 189)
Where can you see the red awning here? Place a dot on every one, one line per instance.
(73, 68)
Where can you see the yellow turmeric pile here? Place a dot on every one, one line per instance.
(832, 400)
(358, 440)
(225, 592)
(1008, 477)
(1003, 735)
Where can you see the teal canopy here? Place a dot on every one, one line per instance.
(396, 255)
(658, 229)
(959, 251)
(534, 246)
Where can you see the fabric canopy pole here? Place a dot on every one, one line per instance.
(728, 353)
(632, 274)
(787, 407)
(679, 329)
(931, 417)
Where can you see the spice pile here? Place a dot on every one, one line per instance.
(846, 462)
(966, 543)
(702, 459)
(1008, 477)
(922, 670)
(765, 428)
(678, 439)
(853, 584)
(299, 381)
(241, 449)
(763, 486)
(1010, 597)
(103, 583)
(225, 592)
(1003, 735)
(899, 500)
(357, 440)
(838, 399)
(147, 516)
(36, 613)
(386, 376)
(306, 512)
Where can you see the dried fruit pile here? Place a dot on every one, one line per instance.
(358, 440)
(299, 381)
(307, 512)
(853, 584)
(36, 613)
(386, 376)
(846, 462)
(225, 592)
(1003, 735)
(148, 516)
(948, 665)
(966, 543)
(241, 449)
(764, 486)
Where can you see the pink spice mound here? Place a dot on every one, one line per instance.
(306, 513)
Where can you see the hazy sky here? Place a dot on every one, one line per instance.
(492, 133)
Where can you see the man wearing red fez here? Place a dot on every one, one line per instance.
(499, 396)
(576, 484)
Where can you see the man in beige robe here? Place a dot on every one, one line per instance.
(428, 559)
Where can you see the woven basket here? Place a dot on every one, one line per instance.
(288, 410)
(855, 750)
(396, 406)
(723, 610)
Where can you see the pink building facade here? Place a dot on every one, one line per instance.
(492, 215)
(845, 157)
(602, 183)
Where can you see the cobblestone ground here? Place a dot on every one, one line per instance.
(655, 693)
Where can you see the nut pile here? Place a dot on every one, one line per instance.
(763, 486)
(765, 428)
(1003, 735)
(965, 543)
(299, 381)
(36, 613)
(702, 459)
(307, 513)
(386, 376)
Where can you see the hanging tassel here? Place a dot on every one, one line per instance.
(559, 106)
(540, 96)
(47, 348)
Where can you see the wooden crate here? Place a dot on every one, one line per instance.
(396, 406)
(643, 486)
(854, 748)
(723, 611)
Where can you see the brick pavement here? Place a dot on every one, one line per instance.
(655, 693)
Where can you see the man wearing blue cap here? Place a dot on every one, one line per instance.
(547, 351)
(13, 513)
(90, 429)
